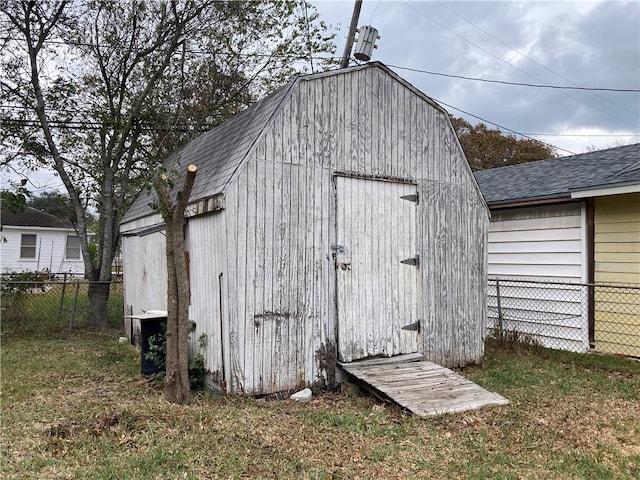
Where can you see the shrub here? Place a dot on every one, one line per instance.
(158, 355)
(14, 288)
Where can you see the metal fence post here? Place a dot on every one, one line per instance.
(64, 287)
(75, 305)
(500, 326)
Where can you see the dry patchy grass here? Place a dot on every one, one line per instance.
(79, 409)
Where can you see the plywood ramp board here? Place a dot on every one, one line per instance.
(423, 388)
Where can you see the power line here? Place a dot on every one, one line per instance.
(73, 125)
(503, 128)
(582, 134)
(505, 62)
(201, 51)
(428, 72)
(442, 4)
(518, 84)
(90, 125)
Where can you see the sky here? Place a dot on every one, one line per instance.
(592, 44)
(587, 44)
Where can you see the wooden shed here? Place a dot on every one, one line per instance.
(335, 220)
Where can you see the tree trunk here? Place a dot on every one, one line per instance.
(98, 312)
(176, 382)
(177, 388)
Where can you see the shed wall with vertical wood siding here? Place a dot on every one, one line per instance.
(281, 206)
(272, 242)
(145, 281)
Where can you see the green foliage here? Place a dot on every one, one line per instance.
(54, 203)
(514, 341)
(196, 365)
(14, 200)
(93, 253)
(14, 289)
(36, 307)
(158, 355)
(168, 177)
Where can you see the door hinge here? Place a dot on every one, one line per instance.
(415, 261)
(412, 198)
(413, 327)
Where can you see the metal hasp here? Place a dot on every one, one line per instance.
(411, 198)
(413, 327)
(415, 261)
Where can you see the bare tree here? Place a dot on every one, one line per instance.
(101, 91)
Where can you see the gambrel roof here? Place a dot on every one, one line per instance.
(223, 149)
(220, 152)
(558, 178)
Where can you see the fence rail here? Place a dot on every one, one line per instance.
(51, 304)
(567, 316)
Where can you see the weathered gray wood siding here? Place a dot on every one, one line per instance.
(145, 277)
(146, 271)
(281, 327)
(280, 211)
(454, 273)
(208, 262)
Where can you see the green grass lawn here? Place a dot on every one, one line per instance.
(77, 407)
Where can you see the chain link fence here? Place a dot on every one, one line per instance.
(51, 304)
(566, 316)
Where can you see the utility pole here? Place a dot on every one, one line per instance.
(352, 33)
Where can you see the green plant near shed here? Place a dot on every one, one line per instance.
(14, 288)
(158, 355)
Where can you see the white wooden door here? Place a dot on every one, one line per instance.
(377, 292)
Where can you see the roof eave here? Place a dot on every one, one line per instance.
(604, 190)
(529, 202)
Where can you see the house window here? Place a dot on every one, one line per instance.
(73, 247)
(28, 245)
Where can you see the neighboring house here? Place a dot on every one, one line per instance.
(33, 240)
(575, 220)
(337, 219)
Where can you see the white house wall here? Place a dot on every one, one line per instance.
(542, 244)
(51, 247)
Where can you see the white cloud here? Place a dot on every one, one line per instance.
(593, 44)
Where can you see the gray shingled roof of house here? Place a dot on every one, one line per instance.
(30, 217)
(222, 149)
(558, 177)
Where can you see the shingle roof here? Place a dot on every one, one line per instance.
(557, 177)
(30, 217)
(222, 149)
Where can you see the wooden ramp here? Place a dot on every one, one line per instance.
(424, 388)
